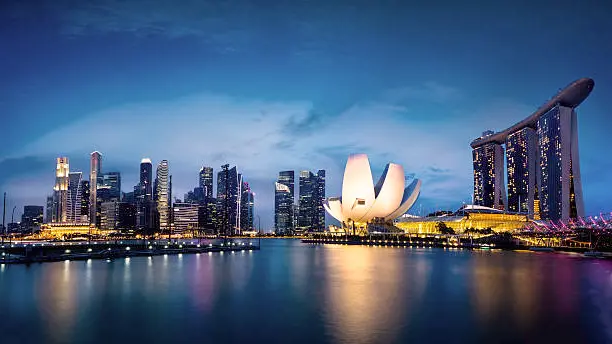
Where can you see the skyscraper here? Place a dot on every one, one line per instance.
(50, 209)
(284, 203)
(247, 208)
(126, 216)
(75, 193)
(143, 194)
(146, 177)
(112, 180)
(311, 216)
(488, 160)
(542, 158)
(227, 200)
(32, 217)
(206, 181)
(307, 202)
(62, 170)
(560, 185)
(95, 168)
(185, 217)
(85, 201)
(283, 209)
(162, 194)
(521, 161)
(321, 195)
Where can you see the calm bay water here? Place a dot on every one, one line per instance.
(291, 292)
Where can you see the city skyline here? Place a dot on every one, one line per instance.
(404, 93)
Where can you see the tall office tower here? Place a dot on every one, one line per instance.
(560, 184)
(126, 216)
(521, 162)
(84, 201)
(50, 209)
(247, 207)
(32, 216)
(311, 216)
(143, 195)
(146, 177)
(75, 193)
(283, 209)
(207, 215)
(162, 193)
(185, 217)
(227, 200)
(287, 218)
(95, 168)
(112, 180)
(307, 202)
(287, 178)
(321, 199)
(62, 170)
(109, 214)
(206, 181)
(543, 177)
(489, 190)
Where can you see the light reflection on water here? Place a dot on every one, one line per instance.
(297, 293)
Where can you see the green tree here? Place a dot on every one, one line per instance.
(444, 228)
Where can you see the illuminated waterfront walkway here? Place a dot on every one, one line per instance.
(37, 252)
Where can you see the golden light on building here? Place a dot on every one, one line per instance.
(469, 217)
(61, 188)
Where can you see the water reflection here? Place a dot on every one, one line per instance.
(364, 286)
(57, 300)
(312, 294)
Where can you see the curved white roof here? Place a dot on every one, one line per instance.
(362, 201)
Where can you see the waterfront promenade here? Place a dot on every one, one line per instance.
(38, 252)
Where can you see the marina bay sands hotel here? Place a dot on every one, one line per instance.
(541, 151)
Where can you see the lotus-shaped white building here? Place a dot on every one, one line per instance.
(363, 202)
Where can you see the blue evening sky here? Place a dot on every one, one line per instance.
(277, 85)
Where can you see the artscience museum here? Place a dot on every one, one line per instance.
(364, 203)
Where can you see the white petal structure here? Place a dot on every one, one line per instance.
(362, 201)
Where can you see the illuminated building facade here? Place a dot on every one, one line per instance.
(185, 217)
(469, 217)
(206, 181)
(143, 196)
(247, 207)
(32, 217)
(560, 183)
(311, 215)
(112, 180)
(488, 161)
(109, 215)
(94, 174)
(542, 158)
(85, 201)
(364, 203)
(522, 161)
(162, 191)
(284, 209)
(75, 180)
(62, 180)
(227, 200)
